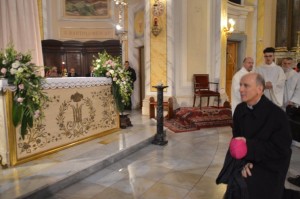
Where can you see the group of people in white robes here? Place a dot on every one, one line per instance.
(282, 83)
(292, 84)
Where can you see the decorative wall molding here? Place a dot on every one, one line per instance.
(239, 13)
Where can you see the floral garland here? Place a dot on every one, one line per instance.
(106, 65)
(28, 97)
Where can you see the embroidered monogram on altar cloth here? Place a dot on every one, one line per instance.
(76, 112)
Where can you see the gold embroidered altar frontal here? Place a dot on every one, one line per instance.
(72, 116)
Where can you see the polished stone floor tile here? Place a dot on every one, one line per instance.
(112, 193)
(185, 168)
(111, 178)
(83, 190)
(209, 193)
(150, 171)
(165, 191)
(181, 179)
(140, 186)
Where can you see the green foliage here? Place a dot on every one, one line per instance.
(118, 98)
(28, 97)
(106, 65)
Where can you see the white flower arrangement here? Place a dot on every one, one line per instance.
(28, 97)
(106, 65)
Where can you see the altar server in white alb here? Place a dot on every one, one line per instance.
(274, 77)
(235, 84)
(291, 90)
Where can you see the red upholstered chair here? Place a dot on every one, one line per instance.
(202, 88)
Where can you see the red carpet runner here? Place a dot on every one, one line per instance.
(192, 119)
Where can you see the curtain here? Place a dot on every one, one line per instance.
(19, 25)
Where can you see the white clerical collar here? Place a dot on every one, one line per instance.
(270, 65)
(251, 107)
(245, 70)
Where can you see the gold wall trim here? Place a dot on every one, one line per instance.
(86, 33)
(158, 49)
(11, 130)
(260, 31)
(281, 49)
(294, 49)
(224, 16)
(40, 11)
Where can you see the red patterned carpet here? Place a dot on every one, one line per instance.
(192, 119)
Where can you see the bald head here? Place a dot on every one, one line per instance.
(251, 88)
(248, 63)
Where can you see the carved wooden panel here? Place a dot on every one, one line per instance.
(53, 59)
(88, 58)
(74, 60)
(76, 54)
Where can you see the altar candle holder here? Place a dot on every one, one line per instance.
(62, 69)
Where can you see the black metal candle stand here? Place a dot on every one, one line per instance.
(160, 137)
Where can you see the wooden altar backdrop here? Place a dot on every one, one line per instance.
(77, 54)
(80, 109)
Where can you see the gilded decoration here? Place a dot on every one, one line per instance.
(110, 119)
(71, 115)
(79, 126)
(37, 138)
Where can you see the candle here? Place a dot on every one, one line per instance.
(62, 68)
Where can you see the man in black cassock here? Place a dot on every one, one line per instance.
(264, 127)
(132, 75)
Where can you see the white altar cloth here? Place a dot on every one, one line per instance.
(79, 109)
(65, 82)
(72, 82)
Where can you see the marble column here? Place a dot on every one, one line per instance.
(160, 137)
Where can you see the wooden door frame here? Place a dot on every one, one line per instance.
(232, 46)
(241, 40)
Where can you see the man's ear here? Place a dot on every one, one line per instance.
(260, 88)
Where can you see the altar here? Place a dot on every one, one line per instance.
(79, 109)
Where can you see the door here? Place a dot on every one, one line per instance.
(231, 67)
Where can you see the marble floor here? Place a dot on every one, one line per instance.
(126, 165)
